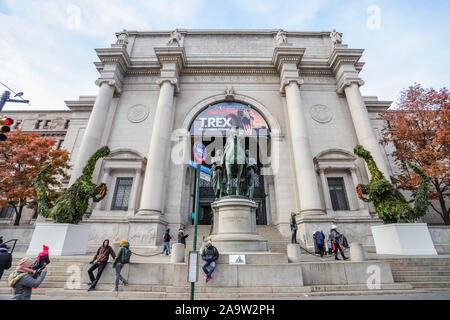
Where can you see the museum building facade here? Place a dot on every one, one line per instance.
(295, 96)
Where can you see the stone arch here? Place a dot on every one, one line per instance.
(336, 152)
(124, 153)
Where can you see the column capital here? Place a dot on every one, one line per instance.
(344, 63)
(113, 65)
(346, 81)
(173, 61)
(112, 82)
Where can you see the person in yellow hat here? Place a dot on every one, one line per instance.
(122, 258)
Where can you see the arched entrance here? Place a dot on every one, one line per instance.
(210, 126)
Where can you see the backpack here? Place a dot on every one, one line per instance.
(126, 255)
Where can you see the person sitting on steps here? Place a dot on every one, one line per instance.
(209, 255)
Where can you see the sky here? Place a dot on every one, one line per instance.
(47, 47)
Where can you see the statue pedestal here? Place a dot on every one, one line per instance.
(235, 226)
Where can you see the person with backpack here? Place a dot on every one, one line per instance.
(335, 239)
(100, 260)
(22, 281)
(5, 259)
(182, 237)
(122, 258)
(166, 243)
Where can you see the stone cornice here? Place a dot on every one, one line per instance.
(171, 54)
(238, 32)
(340, 56)
(113, 66)
(114, 55)
(345, 65)
(286, 61)
(285, 54)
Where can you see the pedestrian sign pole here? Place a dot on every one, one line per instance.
(199, 151)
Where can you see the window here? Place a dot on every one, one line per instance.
(7, 213)
(66, 125)
(122, 194)
(60, 144)
(337, 193)
(38, 124)
(47, 124)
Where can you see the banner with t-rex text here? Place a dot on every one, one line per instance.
(217, 119)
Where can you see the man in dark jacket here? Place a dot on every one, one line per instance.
(100, 260)
(319, 240)
(5, 259)
(209, 254)
(166, 243)
(182, 237)
(335, 236)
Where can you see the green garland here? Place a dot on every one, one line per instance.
(390, 204)
(72, 204)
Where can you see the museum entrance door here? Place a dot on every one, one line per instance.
(210, 127)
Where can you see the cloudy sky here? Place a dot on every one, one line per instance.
(47, 47)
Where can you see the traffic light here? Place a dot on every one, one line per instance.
(5, 122)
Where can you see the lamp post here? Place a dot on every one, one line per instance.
(199, 151)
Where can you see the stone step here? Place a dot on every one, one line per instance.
(413, 278)
(419, 273)
(420, 268)
(430, 285)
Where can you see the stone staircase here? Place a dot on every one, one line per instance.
(277, 243)
(61, 269)
(422, 273)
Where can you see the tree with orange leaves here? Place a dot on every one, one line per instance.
(420, 132)
(22, 157)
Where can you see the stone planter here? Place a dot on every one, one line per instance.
(403, 239)
(63, 239)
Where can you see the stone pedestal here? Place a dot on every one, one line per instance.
(294, 252)
(235, 226)
(403, 239)
(63, 239)
(177, 253)
(357, 252)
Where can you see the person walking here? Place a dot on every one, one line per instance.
(166, 243)
(5, 259)
(22, 281)
(209, 255)
(100, 260)
(122, 258)
(182, 236)
(335, 237)
(319, 238)
(293, 225)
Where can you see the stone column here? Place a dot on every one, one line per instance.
(308, 190)
(95, 127)
(326, 191)
(355, 183)
(107, 180)
(134, 190)
(363, 127)
(152, 196)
